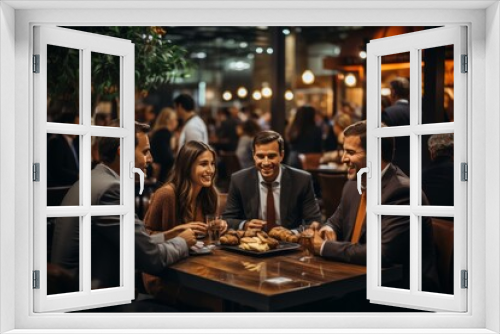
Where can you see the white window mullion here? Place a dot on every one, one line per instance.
(127, 113)
(415, 169)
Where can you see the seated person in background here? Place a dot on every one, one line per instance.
(63, 160)
(247, 131)
(437, 177)
(152, 253)
(161, 143)
(303, 135)
(345, 230)
(340, 122)
(227, 136)
(183, 202)
(270, 194)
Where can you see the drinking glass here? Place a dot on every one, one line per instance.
(306, 241)
(214, 225)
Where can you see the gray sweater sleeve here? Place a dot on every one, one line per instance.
(153, 257)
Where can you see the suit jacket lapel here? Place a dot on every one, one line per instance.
(254, 192)
(385, 181)
(285, 191)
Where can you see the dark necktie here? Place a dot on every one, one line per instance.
(271, 213)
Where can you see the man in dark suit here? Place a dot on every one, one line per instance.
(270, 193)
(398, 114)
(152, 253)
(345, 230)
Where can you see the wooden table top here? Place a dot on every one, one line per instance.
(270, 283)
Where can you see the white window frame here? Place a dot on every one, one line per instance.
(86, 44)
(414, 43)
(483, 20)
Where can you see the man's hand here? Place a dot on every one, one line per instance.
(197, 227)
(327, 233)
(223, 227)
(315, 226)
(317, 242)
(256, 224)
(189, 236)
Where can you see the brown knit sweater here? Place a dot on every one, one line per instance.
(162, 216)
(162, 212)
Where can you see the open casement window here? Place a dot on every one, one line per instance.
(63, 142)
(435, 72)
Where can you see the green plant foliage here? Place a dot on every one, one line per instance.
(157, 62)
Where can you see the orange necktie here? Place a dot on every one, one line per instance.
(360, 217)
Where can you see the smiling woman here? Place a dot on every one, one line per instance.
(184, 202)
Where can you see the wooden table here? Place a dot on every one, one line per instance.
(270, 283)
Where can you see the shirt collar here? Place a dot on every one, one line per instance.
(276, 182)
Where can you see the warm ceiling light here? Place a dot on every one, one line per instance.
(307, 77)
(350, 80)
(267, 92)
(362, 54)
(242, 92)
(257, 95)
(385, 91)
(227, 96)
(288, 95)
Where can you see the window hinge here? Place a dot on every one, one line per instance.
(465, 279)
(36, 63)
(464, 171)
(36, 279)
(36, 172)
(465, 64)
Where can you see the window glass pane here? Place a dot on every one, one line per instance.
(105, 251)
(396, 151)
(437, 255)
(63, 254)
(63, 168)
(105, 152)
(105, 162)
(105, 88)
(437, 85)
(63, 85)
(437, 169)
(395, 89)
(395, 248)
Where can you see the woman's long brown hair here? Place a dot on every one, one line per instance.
(180, 179)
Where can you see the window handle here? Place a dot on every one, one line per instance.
(141, 176)
(366, 170)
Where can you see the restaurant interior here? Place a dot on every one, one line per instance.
(243, 80)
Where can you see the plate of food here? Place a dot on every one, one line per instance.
(201, 249)
(258, 243)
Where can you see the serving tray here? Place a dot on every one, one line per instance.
(283, 247)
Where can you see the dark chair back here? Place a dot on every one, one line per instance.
(331, 191)
(55, 195)
(310, 160)
(443, 242)
(228, 164)
(222, 203)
